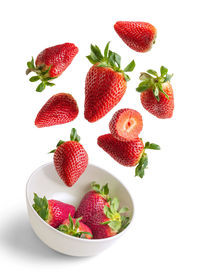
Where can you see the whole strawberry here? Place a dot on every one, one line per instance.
(70, 159)
(126, 124)
(60, 108)
(101, 213)
(139, 36)
(105, 83)
(52, 211)
(51, 63)
(75, 228)
(131, 153)
(156, 93)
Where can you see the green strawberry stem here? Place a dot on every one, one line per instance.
(143, 162)
(104, 190)
(42, 75)
(116, 221)
(73, 137)
(41, 207)
(72, 228)
(109, 59)
(151, 80)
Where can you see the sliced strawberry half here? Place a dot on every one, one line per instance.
(126, 124)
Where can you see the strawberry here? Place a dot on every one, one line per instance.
(105, 83)
(70, 159)
(129, 153)
(60, 108)
(75, 228)
(139, 36)
(51, 63)
(52, 211)
(126, 124)
(101, 213)
(156, 93)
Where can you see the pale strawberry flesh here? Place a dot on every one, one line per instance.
(126, 124)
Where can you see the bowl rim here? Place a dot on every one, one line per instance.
(70, 236)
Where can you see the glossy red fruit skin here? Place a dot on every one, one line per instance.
(104, 88)
(91, 210)
(59, 57)
(59, 109)
(58, 212)
(82, 227)
(117, 122)
(162, 109)
(125, 153)
(70, 161)
(139, 36)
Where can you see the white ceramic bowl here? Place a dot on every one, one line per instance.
(45, 181)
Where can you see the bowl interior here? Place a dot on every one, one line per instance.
(45, 181)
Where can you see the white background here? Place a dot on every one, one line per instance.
(165, 240)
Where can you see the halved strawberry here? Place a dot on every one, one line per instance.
(126, 124)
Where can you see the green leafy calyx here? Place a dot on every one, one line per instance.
(109, 59)
(115, 220)
(73, 137)
(41, 207)
(143, 162)
(73, 228)
(151, 80)
(42, 74)
(103, 191)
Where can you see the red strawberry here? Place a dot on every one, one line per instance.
(70, 159)
(52, 211)
(75, 228)
(101, 213)
(139, 36)
(156, 93)
(60, 108)
(105, 83)
(129, 153)
(51, 63)
(126, 124)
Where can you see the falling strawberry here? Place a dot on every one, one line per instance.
(131, 153)
(139, 36)
(75, 228)
(51, 63)
(156, 93)
(70, 159)
(105, 83)
(126, 124)
(52, 211)
(101, 213)
(60, 108)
